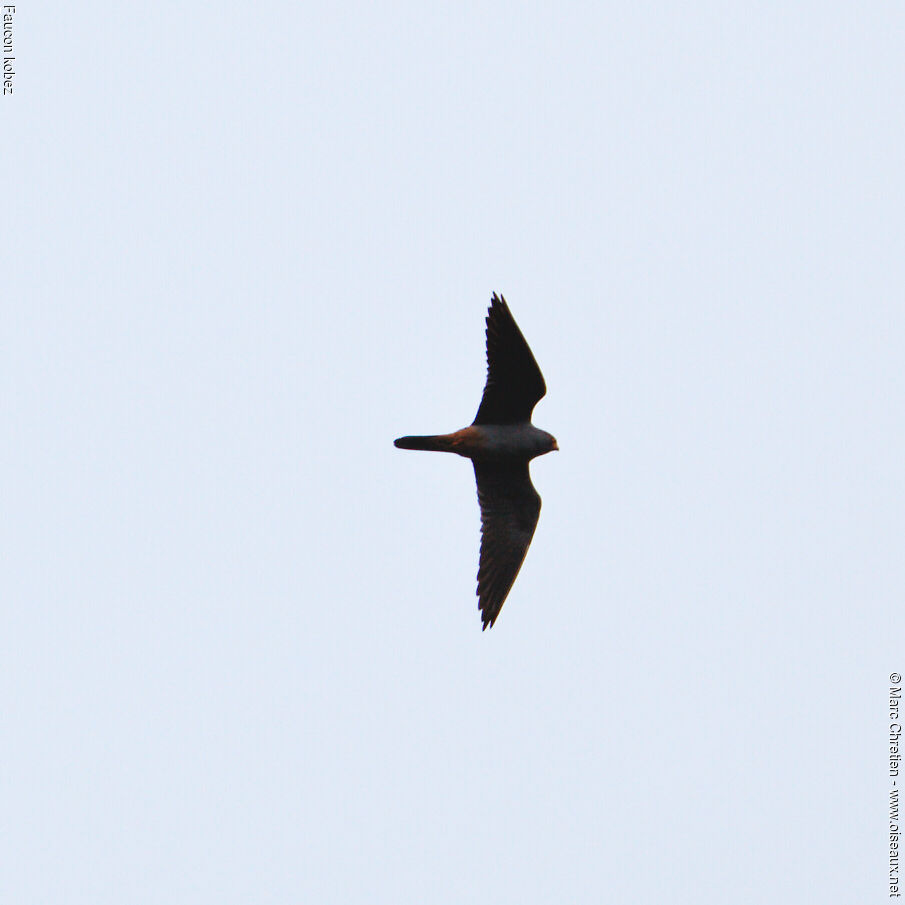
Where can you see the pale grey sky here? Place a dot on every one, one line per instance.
(246, 246)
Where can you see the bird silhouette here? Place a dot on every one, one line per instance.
(501, 441)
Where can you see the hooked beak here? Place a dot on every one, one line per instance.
(555, 446)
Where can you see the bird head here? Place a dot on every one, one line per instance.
(545, 443)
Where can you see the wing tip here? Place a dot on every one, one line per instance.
(496, 310)
(489, 612)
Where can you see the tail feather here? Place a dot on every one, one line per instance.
(435, 443)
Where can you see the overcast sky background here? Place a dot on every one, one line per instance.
(246, 246)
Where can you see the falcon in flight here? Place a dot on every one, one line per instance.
(500, 442)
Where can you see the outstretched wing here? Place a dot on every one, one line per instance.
(510, 507)
(514, 381)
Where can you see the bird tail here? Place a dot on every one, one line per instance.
(435, 443)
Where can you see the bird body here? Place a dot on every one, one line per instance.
(501, 442)
(487, 442)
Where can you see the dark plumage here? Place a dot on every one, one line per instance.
(501, 442)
